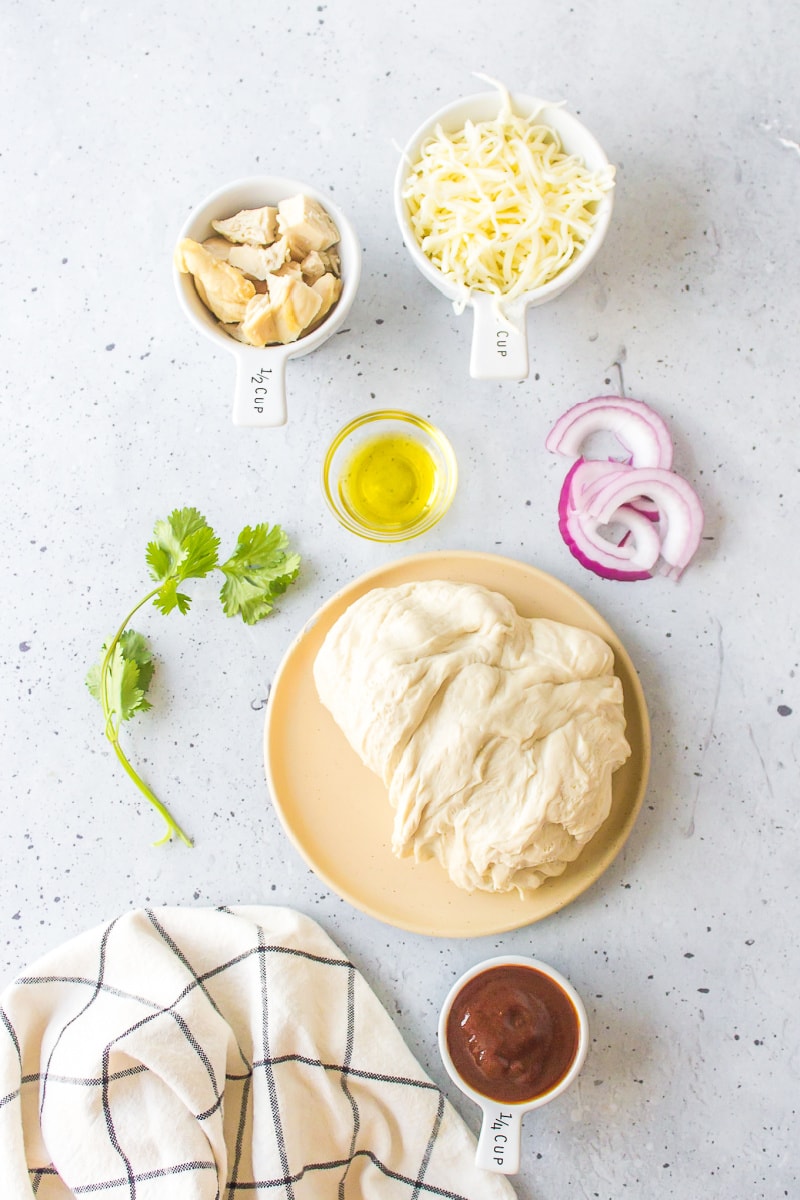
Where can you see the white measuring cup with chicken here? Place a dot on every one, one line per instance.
(267, 268)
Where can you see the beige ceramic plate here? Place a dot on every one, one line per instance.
(337, 812)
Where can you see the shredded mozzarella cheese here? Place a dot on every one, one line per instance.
(499, 207)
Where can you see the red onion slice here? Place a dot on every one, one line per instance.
(629, 559)
(586, 471)
(677, 502)
(641, 431)
(645, 506)
(589, 470)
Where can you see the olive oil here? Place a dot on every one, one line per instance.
(389, 482)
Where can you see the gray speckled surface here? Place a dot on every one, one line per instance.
(118, 120)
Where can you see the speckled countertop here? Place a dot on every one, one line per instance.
(118, 120)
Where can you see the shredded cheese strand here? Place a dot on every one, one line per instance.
(499, 207)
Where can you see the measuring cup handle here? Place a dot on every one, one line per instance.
(499, 344)
(499, 1141)
(259, 397)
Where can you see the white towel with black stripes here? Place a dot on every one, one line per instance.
(197, 1054)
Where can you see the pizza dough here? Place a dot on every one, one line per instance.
(496, 735)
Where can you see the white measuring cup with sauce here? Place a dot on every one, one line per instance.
(499, 335)
(259, 397)
(513, 1035)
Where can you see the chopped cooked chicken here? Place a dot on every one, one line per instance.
(296, 305)
(220, 247)
(290, 268)
(331, 260)
(201, 291)
(235, 331)
(254, 261)
(272, 275)
(254, 225)
(259, 261)
(312, 267)
(281, 316)
(224, 289)
(258, 327)
(306, 225)
(329, 289)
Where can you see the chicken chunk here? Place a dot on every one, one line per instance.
(296, 305)
(201, 291)
(331, 260)
(306, 225)
(259, 327)
(221, 287)
(282, 315)
(254, 225)
(329, 289)
(259, 261)
(312, 267)
(290, 268)
(235, 331)
(220, 247)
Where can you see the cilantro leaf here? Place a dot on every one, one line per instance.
(93, 678)
(257, 572)
(135, 648)
(130, 670)
(183, 547)
(168, 597)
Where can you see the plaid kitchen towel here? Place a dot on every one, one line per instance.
(196, 1054)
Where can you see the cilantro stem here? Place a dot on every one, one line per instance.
(112, 729)
(172, 825)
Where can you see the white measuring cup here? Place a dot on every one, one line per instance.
(499, 337)
(501, 1125)
(259, 397)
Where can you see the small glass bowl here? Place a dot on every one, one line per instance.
(389, 475)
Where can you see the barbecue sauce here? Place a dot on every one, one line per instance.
(512, 1033)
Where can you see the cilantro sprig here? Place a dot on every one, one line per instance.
(184, 547)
